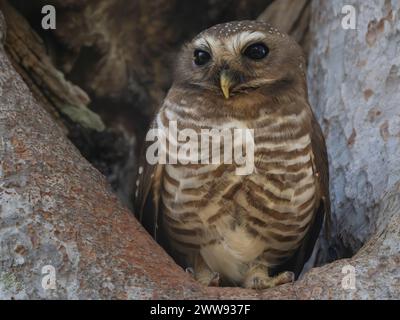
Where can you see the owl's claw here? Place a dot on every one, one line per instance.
(211, 281)
(259, 281)
(208, 278)
(214, 282)
(284, 277)
(287, 277)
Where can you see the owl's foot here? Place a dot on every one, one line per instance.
(215, 280)
(259, 279)
(209, 280)
(203, 274)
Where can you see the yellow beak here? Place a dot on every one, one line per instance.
(226, 83)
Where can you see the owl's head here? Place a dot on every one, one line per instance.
(238, 57)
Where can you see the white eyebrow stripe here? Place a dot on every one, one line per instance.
(237, 42)
(206, 42)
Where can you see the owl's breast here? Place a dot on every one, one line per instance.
(233, 220)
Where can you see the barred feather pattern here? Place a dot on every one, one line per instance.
(234, 220)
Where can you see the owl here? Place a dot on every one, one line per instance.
(252, 230)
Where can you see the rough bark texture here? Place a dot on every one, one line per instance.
(96, 46)
(354, 87)
(29, 54)
(292, 17)
(121, 53)
(55, 208)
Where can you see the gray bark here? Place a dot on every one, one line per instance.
(354, 82)
(56, 209)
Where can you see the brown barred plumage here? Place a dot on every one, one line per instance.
(215, 221)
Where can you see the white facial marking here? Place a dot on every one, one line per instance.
(237, 42)
(207, 42)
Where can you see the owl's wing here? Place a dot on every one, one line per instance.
(322, 167)
(147, 193)
(322, 212)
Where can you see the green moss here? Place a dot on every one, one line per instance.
(84, 116)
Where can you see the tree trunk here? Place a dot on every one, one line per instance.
(121, 54)
(56, 209)
(354, 79)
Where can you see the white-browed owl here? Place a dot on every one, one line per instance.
(255, 230)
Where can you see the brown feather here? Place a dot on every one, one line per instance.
(228, 220)
(147, 194)
(322, 213)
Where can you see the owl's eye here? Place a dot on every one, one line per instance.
(201, 57)
(256, 51)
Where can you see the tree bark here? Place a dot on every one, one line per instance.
(29, 54)
(56, 209)
(118, 53)
(292, 17)
(353, 80)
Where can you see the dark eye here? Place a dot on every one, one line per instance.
(256, 51)
(201, 57)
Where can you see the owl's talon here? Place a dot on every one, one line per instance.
(284, 277)
(259, 279)
(214, 282)
(209, 279)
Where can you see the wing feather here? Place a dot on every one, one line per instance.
(322, 212)
(147, 193)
